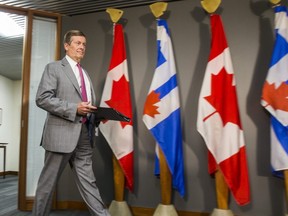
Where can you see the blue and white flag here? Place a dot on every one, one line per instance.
(161, 113)
(275, 93)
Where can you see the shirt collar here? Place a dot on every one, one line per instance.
(71, 61)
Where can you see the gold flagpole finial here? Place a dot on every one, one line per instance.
(275, 2)
(115, 14)
(158, 8)
(210, 6)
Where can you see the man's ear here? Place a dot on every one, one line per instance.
(66, 46)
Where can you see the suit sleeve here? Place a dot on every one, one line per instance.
(54, 93)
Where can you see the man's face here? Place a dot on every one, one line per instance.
(76, 48)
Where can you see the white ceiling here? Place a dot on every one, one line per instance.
(76, 7)
(11, 51)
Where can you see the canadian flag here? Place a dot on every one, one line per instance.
(218, 117)
(116, 94)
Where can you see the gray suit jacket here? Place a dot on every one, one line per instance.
(59, 93)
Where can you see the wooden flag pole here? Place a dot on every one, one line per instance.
(222, 195)
(119, 180)
(285, 172)
(165, 180)
(222, 191)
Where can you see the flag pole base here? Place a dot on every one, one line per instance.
(221, 212)
(119, 208)
(167, 210)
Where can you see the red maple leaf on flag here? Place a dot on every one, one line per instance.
(120, 99)
(150, 108)
(224, 98)
(276, 97)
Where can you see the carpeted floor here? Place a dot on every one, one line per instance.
(8, 200)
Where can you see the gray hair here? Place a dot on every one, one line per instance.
(71, 33)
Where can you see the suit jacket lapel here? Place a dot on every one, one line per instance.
(70, 74)
(93, 96)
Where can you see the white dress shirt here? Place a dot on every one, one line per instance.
(75, 69)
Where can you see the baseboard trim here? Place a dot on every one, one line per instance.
(9, 173)
(29, 204)
(136, 211)
(75, 205)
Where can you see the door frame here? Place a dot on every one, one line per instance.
(26, 203)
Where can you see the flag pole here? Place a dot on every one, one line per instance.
(118, 207)
(286, 185)
(165, 208)
(165, 180)
(119, 180)
(222, 191)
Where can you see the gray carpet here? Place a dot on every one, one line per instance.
(8, 200)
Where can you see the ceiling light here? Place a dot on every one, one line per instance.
(8, 26)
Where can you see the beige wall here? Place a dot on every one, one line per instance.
(10, 102)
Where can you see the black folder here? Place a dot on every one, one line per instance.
(107, 113)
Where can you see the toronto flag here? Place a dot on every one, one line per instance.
(161, 113)
(275, 93)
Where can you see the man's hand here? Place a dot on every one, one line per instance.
(84, 108)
